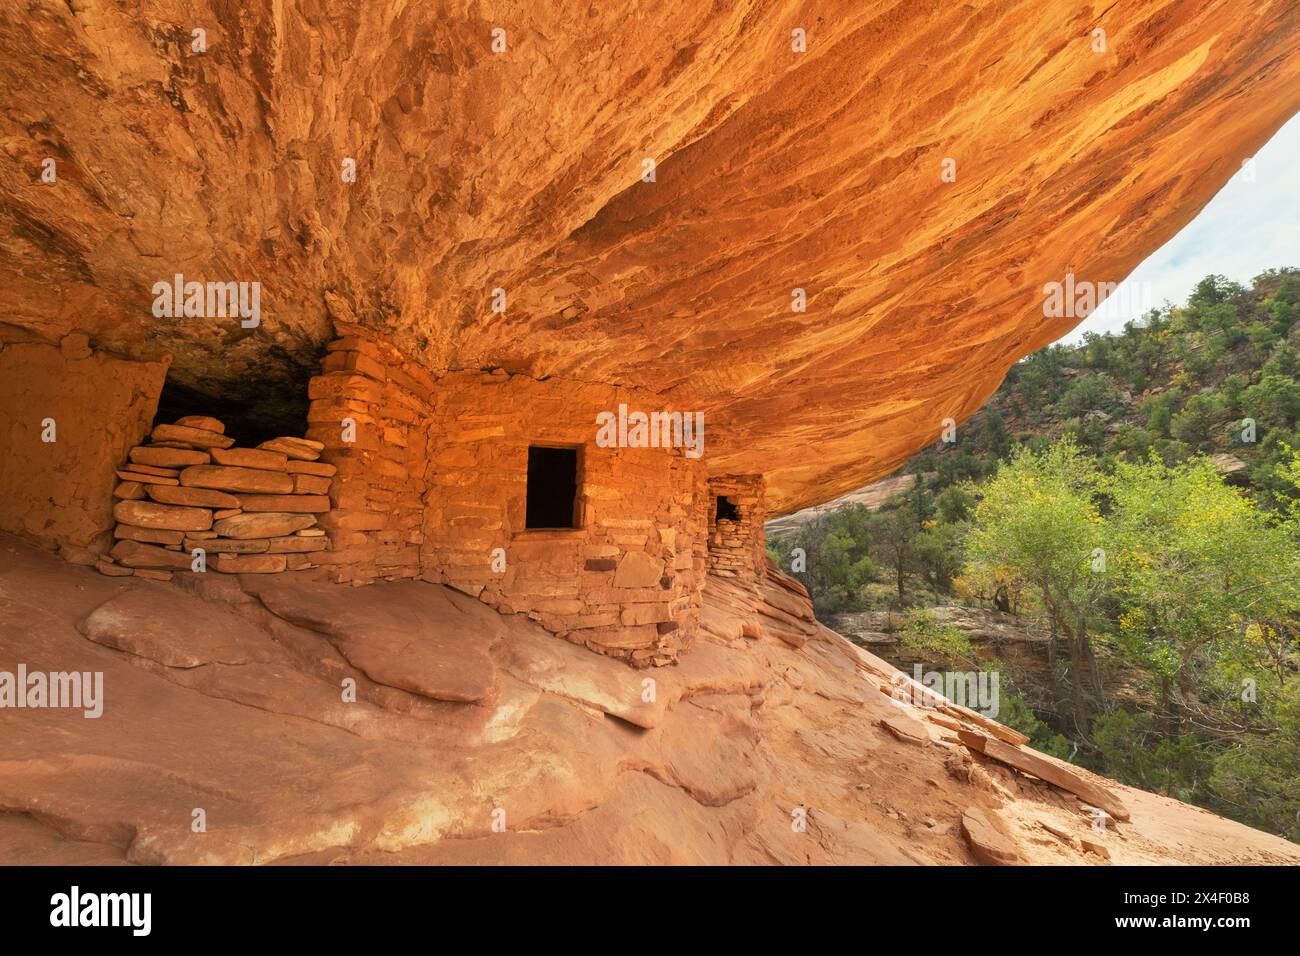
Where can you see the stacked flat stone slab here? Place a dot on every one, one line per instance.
(626, 580)
(248, 510)
(737, 547)
(432, 483)
(369, 411)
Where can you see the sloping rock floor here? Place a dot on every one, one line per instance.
(477, 738)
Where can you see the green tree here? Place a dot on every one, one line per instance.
(837, 557)
(955, 503)
(1274, 401)
(1195, 565)
(1133, 749)
(1257, 774)
(1198, 420)
(1039, 516)
(994, 437)
(1095, 392)
(939, 547)
(1159, 410)
(893, 541)
(936, 642)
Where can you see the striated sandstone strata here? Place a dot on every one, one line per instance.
(521, 170)
(513, 179)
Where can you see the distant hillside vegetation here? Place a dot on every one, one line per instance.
(1116, 534)
(1178, 382)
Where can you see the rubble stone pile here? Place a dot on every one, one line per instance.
(191, 500)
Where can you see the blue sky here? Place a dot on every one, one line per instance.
(1247, 228)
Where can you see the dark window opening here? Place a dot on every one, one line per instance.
(727, 510)
(552, 487)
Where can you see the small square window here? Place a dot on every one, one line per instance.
(727, 510)
(552, 487)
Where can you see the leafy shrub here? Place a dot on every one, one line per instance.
(1134, 750)
(941, 642)
(1258, 775)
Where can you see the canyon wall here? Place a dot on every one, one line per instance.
(834, 243)
(67, 417)
(826, 231)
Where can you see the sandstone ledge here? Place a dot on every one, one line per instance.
(225, 694)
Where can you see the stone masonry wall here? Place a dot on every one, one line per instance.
(432, 482)
(737, 547)
(425, 477)
(370, 409)
(626, 582)
(190, 502)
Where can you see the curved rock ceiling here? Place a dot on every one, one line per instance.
(521, 170)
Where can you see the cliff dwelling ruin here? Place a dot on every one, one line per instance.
(492, 483)
(368, 539)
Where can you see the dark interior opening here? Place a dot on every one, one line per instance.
(552, 487)
(727, 509)
(252, 411)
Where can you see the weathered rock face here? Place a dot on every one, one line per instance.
(521, 170)
(226, 696)
(66, 422)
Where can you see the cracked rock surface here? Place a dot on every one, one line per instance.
(774, 740)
